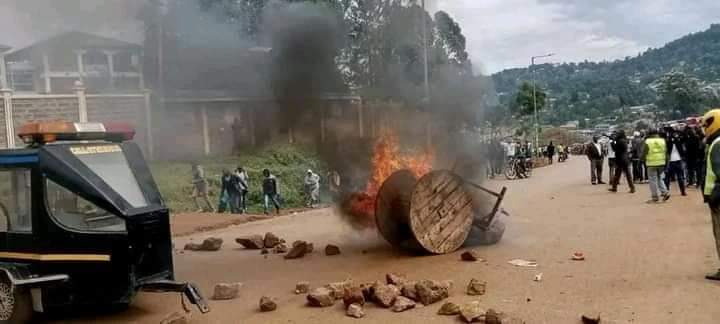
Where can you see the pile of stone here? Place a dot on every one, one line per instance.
(396, 293)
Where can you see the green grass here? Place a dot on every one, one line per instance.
(287, 163)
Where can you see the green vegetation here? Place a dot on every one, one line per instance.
(597, 89)
(287, 163)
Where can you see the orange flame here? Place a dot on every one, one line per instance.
(387, 159)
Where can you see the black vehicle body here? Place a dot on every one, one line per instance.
(65, 266)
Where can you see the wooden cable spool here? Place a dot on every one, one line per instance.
(434, 213)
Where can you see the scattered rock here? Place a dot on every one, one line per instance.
(402, 304)
(280, 248)
(302, 287)
(310, 248)
(472, 312)
(395, 279)
(355, 311)
(353, 295)
(252, 242)
(430, 292)
(449, 309)
(225, 291)
(385, 295)
(492, 317)
(338, 288)
(298, 250)
(192, 247)
(175, 318)
(267, 304)
(476, 287)
(271, 240)
(209, 244)
(332, 250)
(408, 290)
(321, 297)
(470, 256)
(264, 251)
(590, 320)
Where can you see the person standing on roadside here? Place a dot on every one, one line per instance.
(242, 179)
(676, 155)
(655, 157)
(312, 189)
(270, 192)
(711, 192)
(637, 146)
(693, 156)
(595, 154)
(622, 162)
(200, 189)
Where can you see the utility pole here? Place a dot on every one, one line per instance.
(537, 126)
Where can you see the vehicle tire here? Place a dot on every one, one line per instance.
(15, 304)
(509, 171)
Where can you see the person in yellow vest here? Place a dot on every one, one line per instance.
(711, 192)
(655, 157)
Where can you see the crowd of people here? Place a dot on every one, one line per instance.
(658, 157)
(686, 154)
(234, 189)
(503, 152)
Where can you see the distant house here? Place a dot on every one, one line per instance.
(54, 65)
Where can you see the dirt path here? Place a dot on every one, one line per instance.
(645, 264)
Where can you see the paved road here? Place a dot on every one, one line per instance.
(645, 264)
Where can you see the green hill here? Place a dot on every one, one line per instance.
(596, 89)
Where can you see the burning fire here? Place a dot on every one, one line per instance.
(387, 159)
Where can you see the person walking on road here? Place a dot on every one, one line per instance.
(611, 157)
(655, 157)
(229, 193)
(711, 193)
(200, 189)
(595, 154)
(551, 152)
(676, 155)
(270, 192)
(622, 162)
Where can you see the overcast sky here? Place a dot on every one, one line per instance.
(506, 33)
(501, 33)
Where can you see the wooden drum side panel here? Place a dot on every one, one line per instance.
(441, 212)
(393, 205)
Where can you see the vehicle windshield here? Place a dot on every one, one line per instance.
(110, 164)
(72, 211)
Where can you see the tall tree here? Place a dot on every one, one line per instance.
(525, 101)
(678, 94)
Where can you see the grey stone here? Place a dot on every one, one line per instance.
(430, 292)
(267, 304)
(355, 311)
(252, 242)
(270, 240)
(331, 250)
(402, 304)
(385, 295)
(472, 312)
(302, 287)
(321, 297)
(476, 287)
(225, 291)
(449, 308)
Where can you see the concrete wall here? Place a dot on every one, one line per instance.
(3, 141)
(26, 110)
(127, 109)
